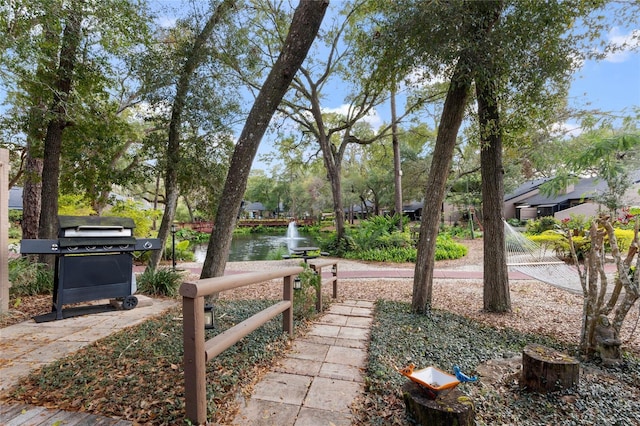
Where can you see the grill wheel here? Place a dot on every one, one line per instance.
(129, 302)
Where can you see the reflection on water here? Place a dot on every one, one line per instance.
(257, 246)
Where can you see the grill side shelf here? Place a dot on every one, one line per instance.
(39, 247)
(80, 245)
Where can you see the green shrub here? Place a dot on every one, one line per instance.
(277, 254)
(390, 254)
(558, 242)
(462, 232)
(142, 218)
(624, 237)
(15, 216)
(447, 248)
(15, 233)
(514, 221)
(183, 253)
(338, 247)
(74, 205)
(29, 278)
(304, 299)
(161, 282)
(379, 232)
(192, 236)
(538, 226)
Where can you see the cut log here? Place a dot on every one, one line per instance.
(451, 409)
(547, 370)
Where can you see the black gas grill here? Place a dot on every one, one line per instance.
(94, 259)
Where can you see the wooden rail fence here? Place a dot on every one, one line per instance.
(317, 268)
(197, 351)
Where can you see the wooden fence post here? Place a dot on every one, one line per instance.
(287, 316)
(195, 368)
(334, 272)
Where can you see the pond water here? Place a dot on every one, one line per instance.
(258, 246)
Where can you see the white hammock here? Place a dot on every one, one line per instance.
(536, 261)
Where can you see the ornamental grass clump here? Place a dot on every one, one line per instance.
(159, 282)
(29, 278)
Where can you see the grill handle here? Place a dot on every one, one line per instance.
(111, 227)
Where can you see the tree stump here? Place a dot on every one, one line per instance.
(547, 370)
(450, 409)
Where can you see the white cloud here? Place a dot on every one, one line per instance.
(565, 130)
(373, 118)
(623, 44)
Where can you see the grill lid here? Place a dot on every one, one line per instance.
(95, 231)
(95, 227)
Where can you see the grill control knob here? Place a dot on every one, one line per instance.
(147, 245)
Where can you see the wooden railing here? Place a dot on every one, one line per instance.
(197, 351)
(317, 268)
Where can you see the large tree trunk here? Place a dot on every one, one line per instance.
(452, 114)
(332, 163)
(195, 58)
(496, 276)
(48, 225)
(31, 195)
(304, 28)
(451, 118)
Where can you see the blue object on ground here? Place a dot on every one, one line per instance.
(463, 377)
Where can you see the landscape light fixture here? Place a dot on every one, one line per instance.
(208, 317)
(297, 283)
(334, 269)
(174, 229)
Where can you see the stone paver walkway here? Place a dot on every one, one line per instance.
(320, 378)
(28, 345)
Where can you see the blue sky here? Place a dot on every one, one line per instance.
(610, 85)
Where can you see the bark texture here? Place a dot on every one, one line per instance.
(496, 277)
(48, 224)
(450, 409)
(303, 30)
(485, 15)
(452, 114)
(547, 370)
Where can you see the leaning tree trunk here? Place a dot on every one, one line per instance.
(452, 114)
(450, 121)
(303, 30)
(193, 60)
